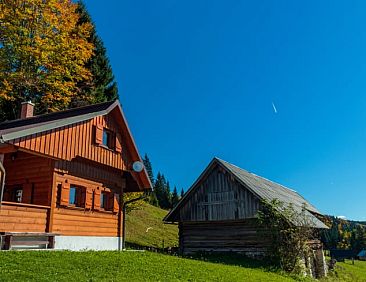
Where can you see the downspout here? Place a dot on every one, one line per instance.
(2, 180)
(124, 208)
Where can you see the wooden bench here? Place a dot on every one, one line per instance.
(17, 239)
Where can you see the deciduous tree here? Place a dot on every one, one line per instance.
(43, 52)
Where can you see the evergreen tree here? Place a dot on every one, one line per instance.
(181, 193)
(175, 197)
(103, 86)
(167, 197)
(159, 188)
(148, 168)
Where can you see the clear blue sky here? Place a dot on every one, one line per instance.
(197, 79)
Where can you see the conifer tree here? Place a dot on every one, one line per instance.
(103, 87)
(159, 188)
(175, 197)
(181, 193)
(148, 168)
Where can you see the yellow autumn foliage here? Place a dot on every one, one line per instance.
(43, 51)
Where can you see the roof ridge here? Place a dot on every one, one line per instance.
(58, 112)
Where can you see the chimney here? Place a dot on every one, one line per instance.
(27, 110)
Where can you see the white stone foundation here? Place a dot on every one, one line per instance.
(87, 243)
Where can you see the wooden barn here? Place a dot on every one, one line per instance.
(218, 213)
(65, 173)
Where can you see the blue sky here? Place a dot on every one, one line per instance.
(197, 79)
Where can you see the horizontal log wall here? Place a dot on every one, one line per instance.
(219, 197)
(241, 236)
(18, 218)
(80, 222)
(22, 168)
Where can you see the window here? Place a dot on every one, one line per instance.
(76, 196)
(18, 195)
(104, 200)
(107, 138)
(13, 193)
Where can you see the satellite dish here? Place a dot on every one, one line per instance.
(137, 166)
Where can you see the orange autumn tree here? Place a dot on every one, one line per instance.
(43, 51)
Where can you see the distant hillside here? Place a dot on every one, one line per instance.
(344, 234)
(144, 227)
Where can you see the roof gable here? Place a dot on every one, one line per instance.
(263, 188)
(12, 131)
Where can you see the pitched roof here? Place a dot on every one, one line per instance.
(14, 129)
(261, 187)
(22, 127)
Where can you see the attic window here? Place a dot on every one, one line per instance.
(107, 138)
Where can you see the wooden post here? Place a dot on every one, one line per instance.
(120, 216)
(50, 212)
(8, 239)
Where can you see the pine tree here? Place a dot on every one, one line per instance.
(148, 168)
(175, 197)
(159, 188)
(103, 87)
(181, 193)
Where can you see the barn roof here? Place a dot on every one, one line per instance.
(362, 253)
(10, 130)
(261, 187)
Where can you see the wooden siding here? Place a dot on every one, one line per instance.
(22, 218)
(83, 222)
(219, 197)
(77, 140)
(223, 236)
(26, 169)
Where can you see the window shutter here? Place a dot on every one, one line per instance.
(115, 202)
(118, 143)
(82, 197)
(65, 193)
(96, 199)
(110, 201)
(89, 199)
(98, 134)
(27, 193)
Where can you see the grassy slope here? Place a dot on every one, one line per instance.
(138, 221)
(114, 266)
(346, 271)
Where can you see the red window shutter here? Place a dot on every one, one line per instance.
(65, 193)
(110, 201)
(27, 193)
(118, 143)
(98, 134)
(115, 202)
(96, 199)
(89, 199)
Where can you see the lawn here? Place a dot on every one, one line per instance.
(144, 227)
(346, 271)
(126, 266)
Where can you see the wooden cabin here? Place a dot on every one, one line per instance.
(218, 213)
(65, 174)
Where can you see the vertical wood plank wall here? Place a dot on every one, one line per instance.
(219, 197)
(76, 140)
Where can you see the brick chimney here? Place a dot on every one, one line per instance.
(27, 110)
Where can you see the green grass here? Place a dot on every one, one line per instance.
(126, 266)
(346, 271)
(144, 227)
